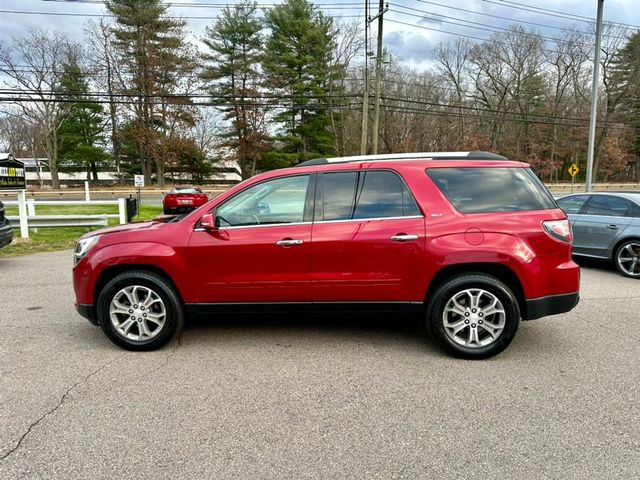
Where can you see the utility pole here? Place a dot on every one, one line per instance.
(376, 115)
(594, 99)
(365, 97)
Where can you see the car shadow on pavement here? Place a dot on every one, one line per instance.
(595, 263)
(320, 328)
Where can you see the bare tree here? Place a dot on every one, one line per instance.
(108, 76)
(452, 61)
(33, 65)
(349, 44)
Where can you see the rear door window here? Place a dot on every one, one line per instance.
(484, 190)
(608, 206)
(338, 195)
(572, 204)
(384, 194)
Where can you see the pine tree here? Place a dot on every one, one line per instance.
(152, 48)
(297, 63)
(81, 130)
(232, 73)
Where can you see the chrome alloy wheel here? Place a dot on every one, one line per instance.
(474, 318)
(137, 313)
(629, 259)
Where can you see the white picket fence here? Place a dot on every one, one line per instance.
(28, 217)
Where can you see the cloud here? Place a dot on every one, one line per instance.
(411, 46)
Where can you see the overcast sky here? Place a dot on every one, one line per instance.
(413, 44)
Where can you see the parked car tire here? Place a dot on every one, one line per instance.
(473, 316)
(627, 257)
(140, 310)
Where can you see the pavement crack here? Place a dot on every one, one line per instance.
(55, 408)
(171, 353)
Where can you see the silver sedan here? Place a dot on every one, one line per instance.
(606, 226)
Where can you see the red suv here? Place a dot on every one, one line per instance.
(472, 241)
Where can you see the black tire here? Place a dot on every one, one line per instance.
(166, 211)
(622, 246)
(174, 319)
(445, 292)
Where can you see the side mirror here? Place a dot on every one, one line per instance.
(208, 222)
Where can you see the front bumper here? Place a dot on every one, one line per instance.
(88, 312)
(550, 305)
(6, 234)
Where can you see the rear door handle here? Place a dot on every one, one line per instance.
(403, 237)
(289, 242)
(612, 227)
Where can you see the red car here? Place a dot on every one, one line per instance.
(183, 200)
(471, 241)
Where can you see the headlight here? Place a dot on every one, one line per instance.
(83, 246)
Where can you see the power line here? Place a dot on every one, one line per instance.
(474, 25)
(215, 99)
(473, 37)
(106, 15)
(352, 107)
(537, 24)
(172, 4)
(556, 13)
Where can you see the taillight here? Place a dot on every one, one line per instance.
(559, 229)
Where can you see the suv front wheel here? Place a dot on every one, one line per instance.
(473, 316)
(140, 310)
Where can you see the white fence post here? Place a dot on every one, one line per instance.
(31, 210)
(122, 208)
(31, 207)
(22, 212)
(87, 194)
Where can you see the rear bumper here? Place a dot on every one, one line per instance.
(88, 312)
(550, 305)
(180, 209)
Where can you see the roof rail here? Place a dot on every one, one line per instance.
(406, 156)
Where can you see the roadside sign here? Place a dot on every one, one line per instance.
(12, 174)
(573, 170)
(138, 180)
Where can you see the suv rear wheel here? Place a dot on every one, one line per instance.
(140, 310)
(473, 316)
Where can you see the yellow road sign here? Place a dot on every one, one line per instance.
(573, 170)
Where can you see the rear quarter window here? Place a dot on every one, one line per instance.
(485, 190)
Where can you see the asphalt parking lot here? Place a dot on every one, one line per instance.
(314, 398)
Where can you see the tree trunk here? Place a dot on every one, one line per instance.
(94, 172)
(52, 156)
(160, 163)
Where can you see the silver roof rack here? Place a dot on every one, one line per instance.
(407, 156)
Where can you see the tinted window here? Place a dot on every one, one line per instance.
(608, 206)
(275, 201)
(384, 194)
(635, 210)
(572, 204)
(186, 190)
(339, 190)
(481, 190)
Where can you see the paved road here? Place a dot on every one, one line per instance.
(312, 398)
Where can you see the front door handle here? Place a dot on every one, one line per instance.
(403, 237)
(289, 242)
(612, 227)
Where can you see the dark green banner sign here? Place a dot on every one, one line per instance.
(12, 174)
